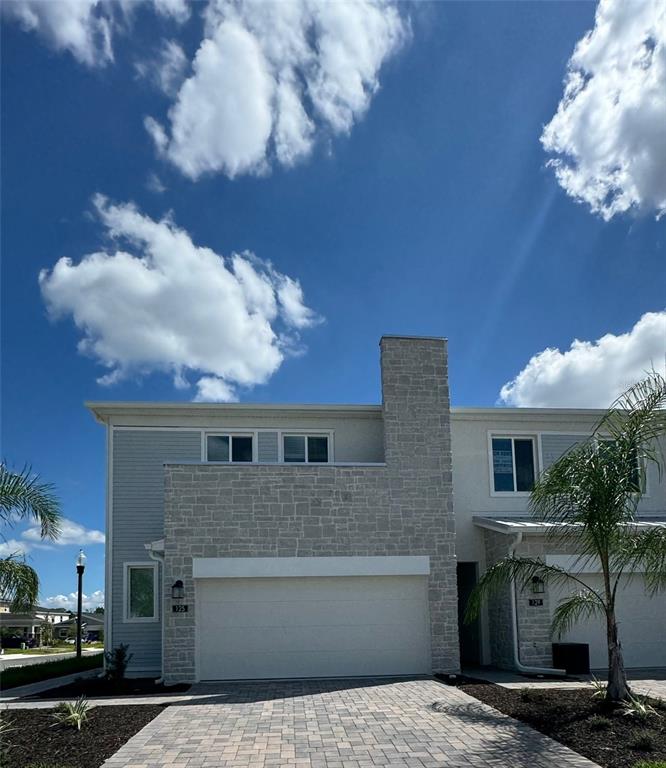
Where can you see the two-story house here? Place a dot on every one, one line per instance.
(277, 541)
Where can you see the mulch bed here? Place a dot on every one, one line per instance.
(35, 739)
(95, 686)
(572, 717)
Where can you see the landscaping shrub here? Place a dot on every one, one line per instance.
(650, 764)
(599, 722)
(116, 662)
(644, 742)
(73, 713)
(15, 676)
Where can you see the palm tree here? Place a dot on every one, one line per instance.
(24, 496)
(589, 500)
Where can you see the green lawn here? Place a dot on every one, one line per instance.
(38, 651)
(14, 676)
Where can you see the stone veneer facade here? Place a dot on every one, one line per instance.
(404, 507)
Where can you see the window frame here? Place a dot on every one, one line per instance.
(536, 457)
(126, 602)
(230, 434)
(287, 433)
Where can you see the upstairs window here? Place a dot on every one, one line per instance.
(306, 449)
(513, 464)
(234, 448)
(636, 483)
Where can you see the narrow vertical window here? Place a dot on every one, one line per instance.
(141, 589)
(513, 464)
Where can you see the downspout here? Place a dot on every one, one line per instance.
(158, 557)
(514, 625)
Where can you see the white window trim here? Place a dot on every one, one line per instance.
(304, 433)
(536, 455)
(127, 619)
(230, 434)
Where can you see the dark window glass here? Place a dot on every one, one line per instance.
(318, 449)
(241, 448)
(502, 464)
(141, 593)
(294, 448)
(524, 451)
(218, 448)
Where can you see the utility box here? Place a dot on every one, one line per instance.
(572, 657)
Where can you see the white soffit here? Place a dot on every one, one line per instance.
(272, 567)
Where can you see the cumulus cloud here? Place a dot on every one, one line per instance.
(608, 133)
(167, 69)
(71, 533)
(10, 547)
(162, 303)
(84, 28)
(267, 77)
(69, 602)
(590, 374)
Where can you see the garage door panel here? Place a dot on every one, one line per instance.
(641, 625)
(245, 666)
(250, 590)
(311, 612)
(315, 639)
(309, 627)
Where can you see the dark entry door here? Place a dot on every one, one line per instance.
(470, 651)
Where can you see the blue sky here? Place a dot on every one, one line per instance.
(426, 206)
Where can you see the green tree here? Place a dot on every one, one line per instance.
(590, 497)
(23, 496)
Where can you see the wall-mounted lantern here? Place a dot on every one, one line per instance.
(178, 591)
(538, 585)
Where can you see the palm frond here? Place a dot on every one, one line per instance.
(24, 495)
(581, 605)
(18, 583)
(642, 552)
(519, 569)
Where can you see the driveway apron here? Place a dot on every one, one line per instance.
(415, 723)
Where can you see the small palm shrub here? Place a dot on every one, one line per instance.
(639, 708)
(599, 688)
(116, 662)
(73, 713)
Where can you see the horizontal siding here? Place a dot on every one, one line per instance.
(554, 447)
(138, 518)
(267, 447)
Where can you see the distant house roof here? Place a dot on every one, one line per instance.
(86, 618)
(15, 619)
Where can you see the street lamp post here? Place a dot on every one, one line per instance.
(80, 568)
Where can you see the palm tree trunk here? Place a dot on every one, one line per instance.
(618, 688)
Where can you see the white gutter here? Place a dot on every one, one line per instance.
(514, 626)
(158, 557)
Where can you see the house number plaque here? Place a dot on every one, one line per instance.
(179, 608)
(533, 601)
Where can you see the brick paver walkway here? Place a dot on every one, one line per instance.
(339, 724)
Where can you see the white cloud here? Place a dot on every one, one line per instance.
(167, 70)
(268, 76)
(85, 28)
(590, 374)
(608, 132)
(155, 184)
(11, 547)
(71, 533)
(69, 602)
(166, 304)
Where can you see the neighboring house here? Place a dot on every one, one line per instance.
(92, 626)
(25, 626)
(263, 541)
(52, 615)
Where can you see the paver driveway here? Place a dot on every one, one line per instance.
(339, 724)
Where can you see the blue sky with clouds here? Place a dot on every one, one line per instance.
(229, 202)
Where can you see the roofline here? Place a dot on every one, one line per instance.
(102, 410)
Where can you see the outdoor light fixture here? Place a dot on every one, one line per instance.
(178, 591)
(80, 568)
(538, 586)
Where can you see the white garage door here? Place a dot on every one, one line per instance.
(251, 628)
(641, 622)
